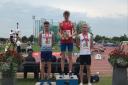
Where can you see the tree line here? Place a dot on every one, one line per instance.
(78, 26)
(114, 39)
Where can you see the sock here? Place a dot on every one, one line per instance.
(70, 71)
(62, 71)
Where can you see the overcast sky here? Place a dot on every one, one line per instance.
(106, 17)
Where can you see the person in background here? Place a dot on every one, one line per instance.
(30, 64)
(17, 31)
(46, 43)
(18, 46)
(12, 36)
(85, 44)
(29, 47)
(66, 33)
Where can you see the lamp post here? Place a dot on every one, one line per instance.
(33, 17)
(17, 25)
(17, 32)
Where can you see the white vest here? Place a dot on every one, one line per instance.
(85, 45)
(46, 41)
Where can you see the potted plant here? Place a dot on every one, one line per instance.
(9, 62)
(119, 60)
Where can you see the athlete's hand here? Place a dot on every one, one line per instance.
(62, 37)
(78, 47)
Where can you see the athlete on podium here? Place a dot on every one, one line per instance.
(66, 33)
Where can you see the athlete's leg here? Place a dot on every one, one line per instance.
(42, 72)
(81, 73)
(70, 61)
(49, 68)
(62, 61)
(70, 49)
(88, 66)
(63, 49)
(88, 73)
(49, 59)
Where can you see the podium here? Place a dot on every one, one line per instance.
(45, 82)
(66, 80)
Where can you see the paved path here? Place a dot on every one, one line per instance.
(102, 66)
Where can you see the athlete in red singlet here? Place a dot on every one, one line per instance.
(66, 33)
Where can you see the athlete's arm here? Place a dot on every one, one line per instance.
(39, 40)
(73, 31)
(60, 31)
(53, 39)
(78, 42)
(91, 42)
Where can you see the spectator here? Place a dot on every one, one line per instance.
(11, 36)
(29, 57)
(18, 45)
(29, 48)
(30, 65)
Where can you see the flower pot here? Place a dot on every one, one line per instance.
(119, 75)
(8, 78)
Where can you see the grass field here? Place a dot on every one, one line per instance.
(36, 48)
(103, 81)
(56, 48)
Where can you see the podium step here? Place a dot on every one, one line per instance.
(66, 80)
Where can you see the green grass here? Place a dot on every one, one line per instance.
(35, 47)
(103, 81)
(26, 82)
(56, 48)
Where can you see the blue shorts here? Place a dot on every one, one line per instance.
(46, 56)
(65, 46)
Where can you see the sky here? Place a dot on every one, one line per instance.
(106, 17)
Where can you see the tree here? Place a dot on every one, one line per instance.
(55, 31)
(124, 38)
(24, 39)
(98, 38)
(31, 38)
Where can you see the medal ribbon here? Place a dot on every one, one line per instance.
(47, 36)
(86, 39)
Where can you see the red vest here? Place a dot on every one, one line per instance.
(66, 26)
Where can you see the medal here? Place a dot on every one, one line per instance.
(84, 45)
(86, 40)
(46, 36)
(65, 35)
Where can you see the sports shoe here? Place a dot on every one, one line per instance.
(81, 83)
(89, 84)
(62, 75)
(38, 83)
(70, 75)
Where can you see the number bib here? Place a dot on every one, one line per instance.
(84, 45)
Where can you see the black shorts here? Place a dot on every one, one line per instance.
(85, 59)
(11, 39)
(46, 56)
(18, 49)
